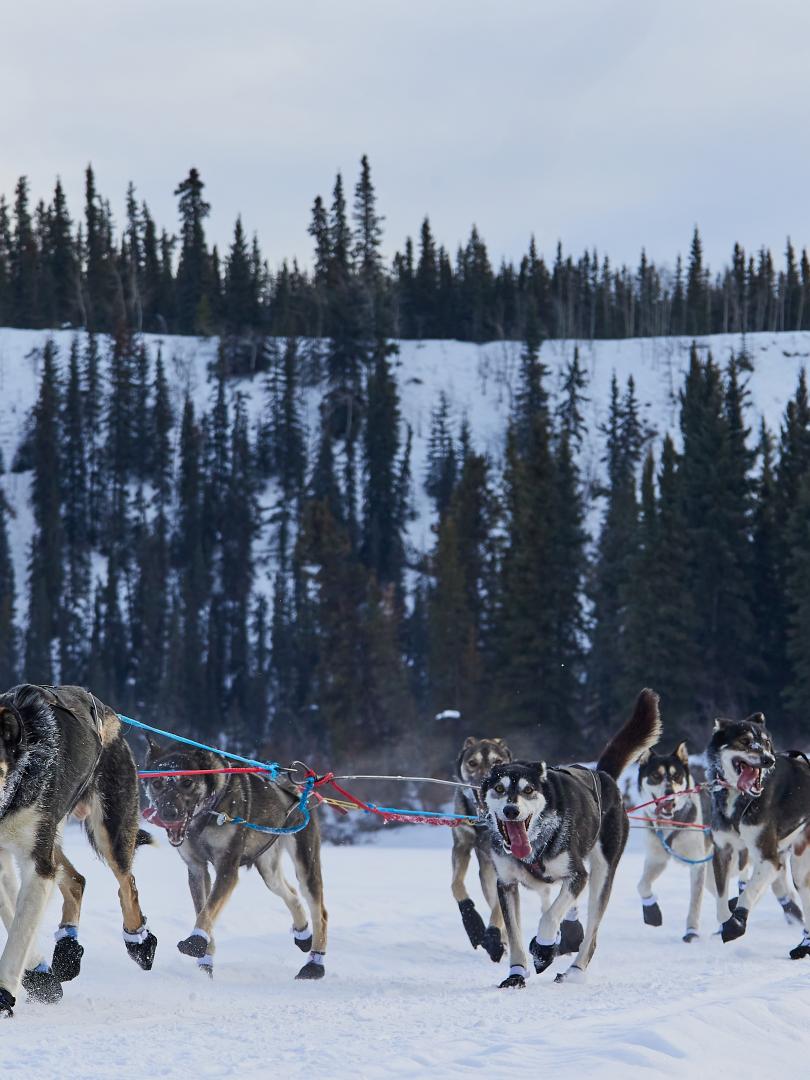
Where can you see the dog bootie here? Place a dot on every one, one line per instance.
(493, 944)
(67, 954)
(571, 936)
(141, 945)
(42, 985)
(515, 980)
(302, 938)
(651, 911)
(7, 1003)
(313, 969)
(734, 927)
(196, 944)
(802, 949)
(473, 923)
(792, 911)
(543, 954)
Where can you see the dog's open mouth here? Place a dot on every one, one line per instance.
(666, 808)
(749, 777)
(176, 831)
(515, 836)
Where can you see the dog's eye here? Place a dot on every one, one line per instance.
(475, 762)
(157, 785)
(186, 782)
(528, 790)
(499, 789)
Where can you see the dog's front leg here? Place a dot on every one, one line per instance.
(764, 872)
(546, 945)
(35, 889)
(463, 841)
(655, 863)
(489, 886)
(200, 941)
(518, 960)
(697, 883)
(721, 865)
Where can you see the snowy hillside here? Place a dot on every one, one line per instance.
(478, 379)
(404, 994)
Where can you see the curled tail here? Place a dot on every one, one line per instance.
(642, 731)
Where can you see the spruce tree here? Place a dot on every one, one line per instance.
(193, 271)
(9, 662)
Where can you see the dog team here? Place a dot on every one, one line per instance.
(551, 829)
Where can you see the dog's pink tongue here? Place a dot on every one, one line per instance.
(518, 838)
(748, 778)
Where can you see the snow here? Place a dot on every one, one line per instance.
(404, 994)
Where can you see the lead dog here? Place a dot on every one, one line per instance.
(187, 807)
(62, 751)
(563, 825)
(760, 804)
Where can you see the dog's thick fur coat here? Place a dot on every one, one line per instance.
(566, 826)
(185, 806)
(62, 751)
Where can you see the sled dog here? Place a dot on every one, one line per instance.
(62, 751)
(760, 804)
(187, 808)
(562, 825)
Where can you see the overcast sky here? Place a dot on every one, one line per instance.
(616, 124)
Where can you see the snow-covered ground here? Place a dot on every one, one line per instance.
(404, 994)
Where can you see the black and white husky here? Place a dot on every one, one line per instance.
(673, 832)
(565, 826)
(760, 804)
(61, 751)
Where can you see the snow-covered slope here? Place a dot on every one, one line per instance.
(479, 381)
(404, 994)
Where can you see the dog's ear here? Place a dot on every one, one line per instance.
(542, 771)
(643, 757)
(682, 753)
(152, 744)
(719, 723)
(469, 741)
(11, 726)
(756, 718)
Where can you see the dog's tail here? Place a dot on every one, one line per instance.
(143, 838)
(642, 731)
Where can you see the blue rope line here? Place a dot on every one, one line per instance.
(284, 830)
(271, 767)
(682, 858)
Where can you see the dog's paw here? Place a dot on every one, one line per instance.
(143, 952)
(7, 1003)
(67, 959)
(42, 985)
(802, 949)
(543, 955)
(571, 936)
(195, 945)
(493, 944)
(652, 914)
(473, 923)
(792, 912)
(573, 975)
(311, 970)
(690, 936)
(734, 926)
(513, 982)
(302, 938)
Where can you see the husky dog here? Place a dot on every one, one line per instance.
(547, 823)
(665, 777)
(760, 804)
(62, 751)
(477, 758)
(187, 807)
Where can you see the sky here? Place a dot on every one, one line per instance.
(617, 125)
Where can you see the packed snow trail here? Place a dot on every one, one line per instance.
(404, 994)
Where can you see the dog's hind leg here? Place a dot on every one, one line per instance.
(67, 953)
(463, 843)
(655, 862)
(307, 860)
(783, 892)
(112, 826)
(800, 866)
(518, 960)
(721, 865)
(269, 866)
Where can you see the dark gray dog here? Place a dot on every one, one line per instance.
(187, 808)
(61, 751)
(566, 826)
(760, 804)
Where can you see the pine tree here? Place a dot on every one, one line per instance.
(24, 262)
(8, 630)
(440, 477)
(193, 276)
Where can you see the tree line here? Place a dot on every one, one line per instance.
(237, 575)
(57, 271)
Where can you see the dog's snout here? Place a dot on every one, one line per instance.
(510, 811)
(768, 760)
